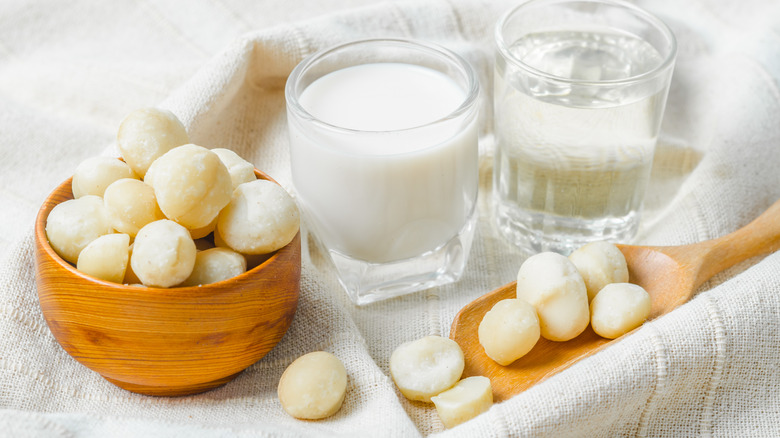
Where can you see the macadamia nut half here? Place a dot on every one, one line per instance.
(94, 174)
(600, 263)
(163, 254)
(146, 134)
(313, 386)
(130, 205)
(619, 308)
(426, 367)
(106, 257)
(464, 401)
(240, 170)
(551, 283)
(260, 218)
(73, 224)
(509, 330)
(191, 185)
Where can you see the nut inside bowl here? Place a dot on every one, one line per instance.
(167, 342)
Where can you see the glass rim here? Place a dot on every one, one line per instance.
(656, 22)
(472, 83)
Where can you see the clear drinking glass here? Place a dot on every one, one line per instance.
(390, 192)
(580, 90)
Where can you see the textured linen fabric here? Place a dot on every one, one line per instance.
(70, 71)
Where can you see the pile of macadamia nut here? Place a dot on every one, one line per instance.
(558, 296)
(172, 214)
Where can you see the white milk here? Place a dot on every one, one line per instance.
(379, 190)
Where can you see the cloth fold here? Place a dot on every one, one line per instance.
(711, 367)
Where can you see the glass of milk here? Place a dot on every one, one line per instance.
(579, 94)
(383, 144)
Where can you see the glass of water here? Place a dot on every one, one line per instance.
(580, 90)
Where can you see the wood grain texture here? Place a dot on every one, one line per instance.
(175, 341)
(671, 275)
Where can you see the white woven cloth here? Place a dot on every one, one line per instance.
(70, 71)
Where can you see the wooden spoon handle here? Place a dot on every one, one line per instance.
(759, 237)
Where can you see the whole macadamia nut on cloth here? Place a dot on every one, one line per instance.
(106, 257)
(131, 204)
(619, 308)
(260, 218)
(215, 264)
(73, 224)
(509, 330)
(191, 185)
(553, 285)
(146, 134)
(240, 170)
(600, 263)
(426, 367)
(163, 254)
(95, 174)
(313, 386)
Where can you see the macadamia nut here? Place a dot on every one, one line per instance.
(552, 284)
(94, 174)
(146, 134)
(73, 224)
(215, 264)
(426, 367)
(600, 263)
(619, 308)
(191, 185)
(218, 240)
(163, 254)
(130, 277)
(106, 257)
(199, 233)
(313, 386)
(464, 401)
(509, 330)
(131, 204)
(260, 218)
(240, 170)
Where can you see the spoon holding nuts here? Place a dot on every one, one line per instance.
(670, 274)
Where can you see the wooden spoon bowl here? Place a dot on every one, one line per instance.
(168, 342)
(671, 275)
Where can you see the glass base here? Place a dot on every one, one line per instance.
(535, 232)
(366, 282)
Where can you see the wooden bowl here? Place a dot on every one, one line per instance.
(167, 342)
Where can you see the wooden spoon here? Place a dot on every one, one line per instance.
(670, 274)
